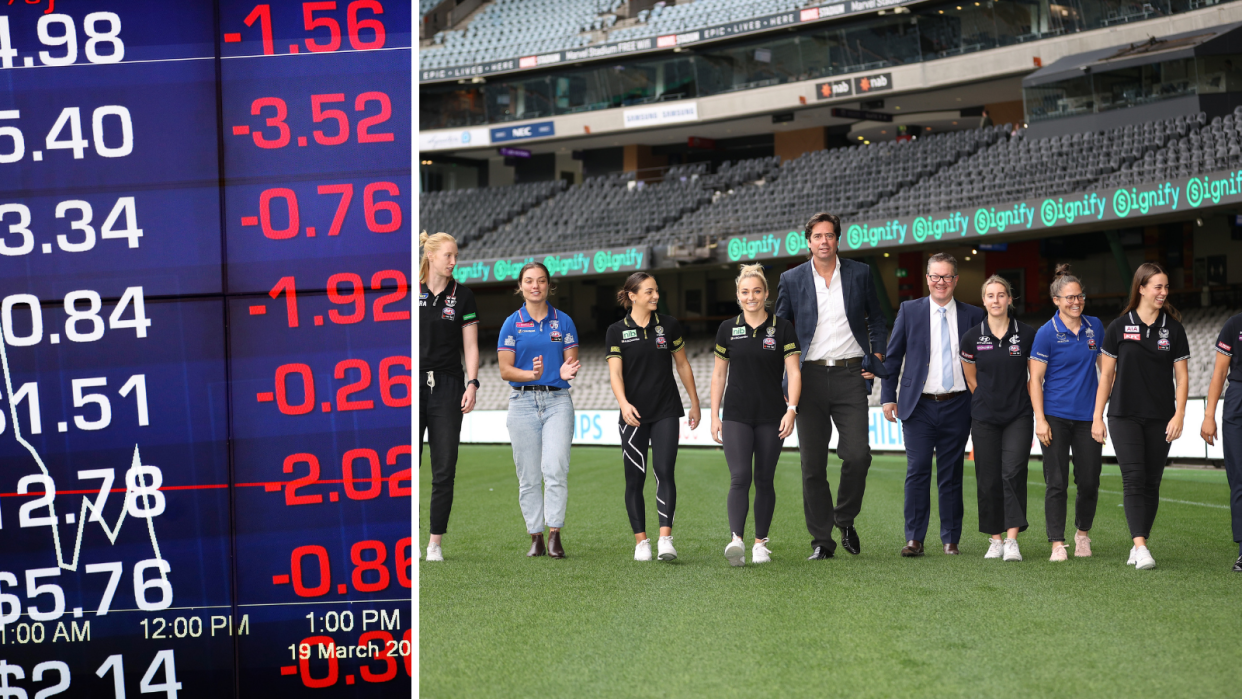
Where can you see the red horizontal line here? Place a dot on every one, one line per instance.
(232, 38)
(207, 486)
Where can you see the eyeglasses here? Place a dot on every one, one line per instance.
(1079, 298)
(937, 278)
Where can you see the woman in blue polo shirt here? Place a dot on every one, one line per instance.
(1229, 366)
(1063, 386)
(538, 354)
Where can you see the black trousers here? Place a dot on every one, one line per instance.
(745, 445)
(1002, 453)
(830, 395)
(1231, 436)
(439, 423)
(1141, 454)
(1067, 435)
(662, 436)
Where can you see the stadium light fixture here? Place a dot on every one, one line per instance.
(974, 252)
(968, 258)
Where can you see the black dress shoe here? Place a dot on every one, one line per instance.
(555, 550)
(1237, 565)
(849, 539)
(912, 549)
(951, 550)
(820, 553)
(536, 545)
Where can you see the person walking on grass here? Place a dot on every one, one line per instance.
(1064, 383)
(994, 359)
(538, 355)
(1228, 366)
(448, 323)
(1144, 382)
(753, 351)
(643, 347)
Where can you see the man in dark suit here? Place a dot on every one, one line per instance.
(836, 315)
(934, 405)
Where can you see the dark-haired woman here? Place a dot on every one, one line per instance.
(448, 331)
(994, 365)
(538, 355)
(1144, 382)
(753, 351)
(639, 348)
(1229, 366)
(1063, 385)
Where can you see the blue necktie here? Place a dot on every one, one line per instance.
(946, 352)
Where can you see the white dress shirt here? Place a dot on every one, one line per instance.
(933, 384)
(833, 338)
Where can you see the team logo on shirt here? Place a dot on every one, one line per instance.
(1164, 333)
(1062, 337)
(739, 332)
(661, 342)
(1091, 344)
(569, 338)
(982, 347)
(1225, 347)
(510, 341)
(1015, 350)
(769, 343)
(1133, 336)
(1013, 339)
(771, 331)
(659, 330)
(451, 302)
(527, 324)
(1163, 345)
(628, 336)
(422, 299)
(554, 324)
(555, 336)
(1132, 328)
(1090, 332)
(448, 314)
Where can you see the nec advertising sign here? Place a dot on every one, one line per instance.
(540, 129)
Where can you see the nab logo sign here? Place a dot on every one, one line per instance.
(824, 91)
(872, 83)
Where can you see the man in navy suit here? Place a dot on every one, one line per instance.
(934, 406)
(836, 315)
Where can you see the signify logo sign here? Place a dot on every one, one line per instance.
(987, 220)
(1055, 210)
(475, 271)
(925, 227)
(509, 269)
(750, 248)
(1199, 189)
(615, 261)
(859, 234)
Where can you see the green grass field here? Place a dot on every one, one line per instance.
(495, 623)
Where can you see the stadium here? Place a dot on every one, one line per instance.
(602, 137)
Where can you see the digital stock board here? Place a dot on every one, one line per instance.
(205, 444)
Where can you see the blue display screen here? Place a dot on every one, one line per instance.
(205, 458)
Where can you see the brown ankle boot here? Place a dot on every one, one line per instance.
(536, 545)
(555, 550)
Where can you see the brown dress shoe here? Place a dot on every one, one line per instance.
(555, 550)
(951, 550)
(536, 545)
(912, 548)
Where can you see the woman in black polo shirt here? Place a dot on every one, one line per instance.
(448, 325)
(1144, 351)
(639, 348)
(994, 363)
(753, 350)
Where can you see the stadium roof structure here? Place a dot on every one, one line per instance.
(1222, 39)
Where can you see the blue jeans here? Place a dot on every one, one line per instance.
(541, 428)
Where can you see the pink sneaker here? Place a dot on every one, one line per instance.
(1082, 546)
(1058, 552)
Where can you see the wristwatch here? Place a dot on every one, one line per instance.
(473, 382)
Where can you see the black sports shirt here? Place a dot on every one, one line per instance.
(647, 364)
(1228, 345)
(1001, 394)
(1145, 354)
(440, 320)
(756, 357)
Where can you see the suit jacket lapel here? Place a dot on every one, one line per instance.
(922, 326)
(846, 280)
(811, 279)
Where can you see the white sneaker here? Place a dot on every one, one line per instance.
(642, 551)
(433, 552)
(995, 546)
(759, 553)
(665, 547)
(1133, 553)
(1143, 559)
(736, 553)
(1011, 550)
(1059, 553)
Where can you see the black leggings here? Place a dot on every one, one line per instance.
(742, 444)
(1141, 454)
(439, 422)
(662, 436)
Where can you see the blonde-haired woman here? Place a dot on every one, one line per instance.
(994, 358)
(448, 324)
(753, 350)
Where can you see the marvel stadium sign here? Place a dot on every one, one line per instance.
(561, 264)
(1120, 204)
(831, 10)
